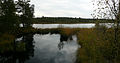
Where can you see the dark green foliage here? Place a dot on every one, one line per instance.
(8, 18)
(27, 11)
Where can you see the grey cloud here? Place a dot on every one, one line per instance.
(70, 8)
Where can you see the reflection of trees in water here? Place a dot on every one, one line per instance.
(62, 39)
(22, 51)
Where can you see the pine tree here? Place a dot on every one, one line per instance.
(8, 17)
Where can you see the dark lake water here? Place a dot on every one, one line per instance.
(42, 48)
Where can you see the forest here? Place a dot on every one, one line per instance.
(70, 20)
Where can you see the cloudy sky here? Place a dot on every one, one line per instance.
(63, 8)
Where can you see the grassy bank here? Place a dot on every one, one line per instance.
(97, 46)
(63, 31)
(6, 41)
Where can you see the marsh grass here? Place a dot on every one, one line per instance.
(6, 42)
(8, 45)
(68, 31)
(97, 46)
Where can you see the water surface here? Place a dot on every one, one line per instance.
(85, 25)
(49, 49)
(82, 25)
(41, 48)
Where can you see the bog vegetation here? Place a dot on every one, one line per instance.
(98, 45)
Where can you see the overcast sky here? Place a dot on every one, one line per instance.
(63, 8)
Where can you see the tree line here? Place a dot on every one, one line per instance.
(69, 20)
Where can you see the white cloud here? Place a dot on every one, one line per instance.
(66, 8)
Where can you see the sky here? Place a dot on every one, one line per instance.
(63, 8)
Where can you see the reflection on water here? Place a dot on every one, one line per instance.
(23, 49)
(64, 39)
(47, 49)
(38, 48)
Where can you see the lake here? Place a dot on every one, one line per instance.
(82, 25)
(49, 49)
(42, 48)
(85, 25)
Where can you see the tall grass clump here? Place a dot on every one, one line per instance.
(68, 31)
(9, 45)
(6, 42)
(97, 46)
